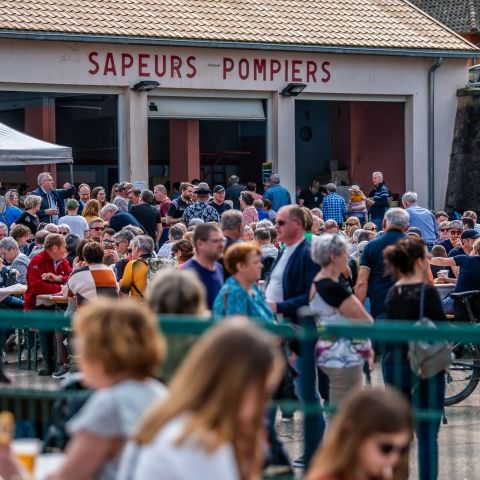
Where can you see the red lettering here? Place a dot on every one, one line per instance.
(286, 70)
(92, 59)
(311, 71)
(175, 65)
(296, 72)
(326, 78)
(193, 69)
(110, 65)
(127, 62)
(274, 68)
(243, 68)
(259, 68)
(227, 66)
(158, 72)
(142, 64)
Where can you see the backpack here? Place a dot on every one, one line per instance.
(428, 358)
(154, 264)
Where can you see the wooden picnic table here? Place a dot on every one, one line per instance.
(48, 300)
(17, 289)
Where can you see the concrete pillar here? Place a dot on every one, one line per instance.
(184, 150)
(133, 136)
(283, 144)
(40, 123)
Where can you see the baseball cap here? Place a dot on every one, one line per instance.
(414, 232)
(218, 188)
(469, 234)
(71, 203)
(203, 188)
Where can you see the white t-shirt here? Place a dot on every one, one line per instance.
(77, 224)
(163, 460)
(274, 291)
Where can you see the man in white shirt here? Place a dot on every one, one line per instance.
(77, 223)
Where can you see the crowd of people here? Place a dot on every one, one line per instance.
(222, 252)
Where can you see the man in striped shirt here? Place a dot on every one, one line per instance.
(94, 279)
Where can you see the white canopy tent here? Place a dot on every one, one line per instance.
(17, 148)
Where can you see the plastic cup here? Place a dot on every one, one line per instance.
(26, 451)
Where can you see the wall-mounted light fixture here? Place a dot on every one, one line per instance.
(145, 86)
(293, 89)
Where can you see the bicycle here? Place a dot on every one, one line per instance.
(463, 375)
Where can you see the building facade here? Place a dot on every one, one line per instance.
(373, 99)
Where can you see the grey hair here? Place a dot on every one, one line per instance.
(410, 197)
(51, 228)
(123, 235)
(195, 221)
(331, 187)
(233, 179)
(274, 179)
(3, 225)
(264, 223)
(378, 174)
(360, 248)
(232, 220)
(397, 217)
(109, 207)
(160, 188)
(144, 243)
(41, 177)
(120, 203)
(177, 231)
(147, 196)
(357, 233)
(31, 201)
(9, 243)
(262, 234)
(326, 245)
(65, 226)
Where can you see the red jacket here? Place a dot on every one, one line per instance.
(42, 263)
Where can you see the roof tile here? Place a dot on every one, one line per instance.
(348, 23)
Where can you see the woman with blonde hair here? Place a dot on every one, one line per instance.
(12, 211)
(369, 438)
(211, 424)
(119, 350)
(351, 225)
(29, 217)
(91, 211)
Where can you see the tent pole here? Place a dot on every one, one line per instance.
(71, 173)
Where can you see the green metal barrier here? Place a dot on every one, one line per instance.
(32, 404)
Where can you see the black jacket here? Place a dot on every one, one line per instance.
(59, 196)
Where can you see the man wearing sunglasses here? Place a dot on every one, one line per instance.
(95, 230)
(455, 229)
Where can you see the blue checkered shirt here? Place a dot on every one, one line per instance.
(334, 207)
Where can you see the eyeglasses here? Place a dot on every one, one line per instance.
(444, 229)
(351, 224)
(98, 229)
(455, 232)
(389, 448)
(63, 233)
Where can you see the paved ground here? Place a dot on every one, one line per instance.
(459, 439)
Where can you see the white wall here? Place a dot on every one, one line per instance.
(65, 66)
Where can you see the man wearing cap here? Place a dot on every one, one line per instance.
(76, 222)
(455, 229)
(421, 218)
(201, 208)
(218, 201)
(467, 238)
(311, 197)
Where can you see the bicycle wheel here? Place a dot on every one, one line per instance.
(464, 373)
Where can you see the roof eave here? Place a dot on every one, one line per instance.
(175, 42)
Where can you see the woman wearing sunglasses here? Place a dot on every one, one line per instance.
(369, 438)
